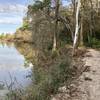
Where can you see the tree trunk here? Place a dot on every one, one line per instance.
(97, 5)
(81, 33)
(56, 25)
(74, 13)
(77, 27)
(55, 37)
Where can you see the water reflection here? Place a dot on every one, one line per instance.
(14, 68)
(49, 70)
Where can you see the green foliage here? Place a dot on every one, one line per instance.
(92, 41)
(95, 43)
(39, 5)
(2, 36)
(25, 26)
(6, 36)
(50, 74)
(64, 38)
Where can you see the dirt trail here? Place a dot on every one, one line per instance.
(91, 79)
(87, 86)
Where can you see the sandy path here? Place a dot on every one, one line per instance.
(87, 86)
(90, 84)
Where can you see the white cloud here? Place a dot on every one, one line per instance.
(12, 13)
(17, 8)
(11, 16)
(10, 20)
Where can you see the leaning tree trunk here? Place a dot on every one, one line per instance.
(77, 27)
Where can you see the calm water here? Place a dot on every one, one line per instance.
(14, 69)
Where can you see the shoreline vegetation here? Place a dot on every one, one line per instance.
(59, 44)
(51, 72)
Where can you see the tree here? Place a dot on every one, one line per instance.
(56, 24)
(77, 26)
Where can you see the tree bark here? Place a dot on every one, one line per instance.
(77, 27)
(81, 32)
(56, 25)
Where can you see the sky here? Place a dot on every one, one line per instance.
(11, 14)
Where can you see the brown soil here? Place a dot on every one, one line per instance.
(87, 85)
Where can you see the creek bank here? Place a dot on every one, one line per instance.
(20, 36)
(87, 85)
(51, 72)
(23, 36)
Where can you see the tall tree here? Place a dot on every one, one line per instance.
(77, 26)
